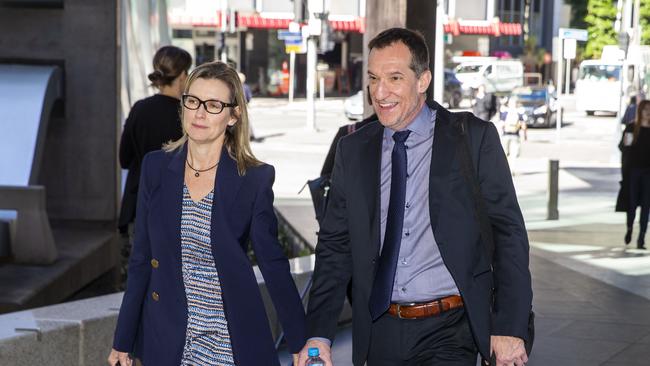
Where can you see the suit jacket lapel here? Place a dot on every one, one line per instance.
(172, 197)
(226, 186)
(442, 156)
(370, 177)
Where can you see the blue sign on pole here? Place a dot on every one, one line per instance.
(285, 34)
(571, 33)
(293, 41)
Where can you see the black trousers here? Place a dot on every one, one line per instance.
(639, 181)
(441, 340)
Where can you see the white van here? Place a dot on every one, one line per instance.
(598, 87)
(496, 75)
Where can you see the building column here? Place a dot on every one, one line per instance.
(421, 16)
(380, 15)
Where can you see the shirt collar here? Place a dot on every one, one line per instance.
(421, 124)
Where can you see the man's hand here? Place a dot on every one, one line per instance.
(325, 352)
(508, 351)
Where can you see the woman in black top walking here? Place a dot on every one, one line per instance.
(151, 122)
(635, 146)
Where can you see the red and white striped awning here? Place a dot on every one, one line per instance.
(357, 24)
(258, 21)
(482, 28)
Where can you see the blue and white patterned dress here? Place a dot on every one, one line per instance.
(207, 341)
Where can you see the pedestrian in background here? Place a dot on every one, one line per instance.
(635, 148)
(514, 128)
(192, 297)
(152, 122)
(484, 104)
(248, 96)
(630, 111)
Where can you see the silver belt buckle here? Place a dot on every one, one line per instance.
(399, 309)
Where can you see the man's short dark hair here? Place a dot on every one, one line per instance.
(412, 39)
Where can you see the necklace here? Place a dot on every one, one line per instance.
(197, 171)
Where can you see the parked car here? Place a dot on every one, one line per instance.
(498, 76)
(353, 106)
(452, 96)
(537, 104)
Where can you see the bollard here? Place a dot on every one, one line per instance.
(553, 174)
(321, 88)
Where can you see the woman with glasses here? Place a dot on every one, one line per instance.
(152, 122)
(192, 297)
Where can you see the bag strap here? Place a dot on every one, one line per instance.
(467, 169)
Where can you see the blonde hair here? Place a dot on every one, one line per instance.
(237, 136)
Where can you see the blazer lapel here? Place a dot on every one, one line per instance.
(171, 192)
(370, 177)
(442, 156)
(226, 186)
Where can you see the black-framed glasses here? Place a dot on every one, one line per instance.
(212, 106)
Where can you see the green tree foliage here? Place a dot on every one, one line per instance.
(601, 15)
(645, 22)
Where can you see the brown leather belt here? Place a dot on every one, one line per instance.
(427, 309)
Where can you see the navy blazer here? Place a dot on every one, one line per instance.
(349, 237)
(153, 317)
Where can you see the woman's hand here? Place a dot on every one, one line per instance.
(119, 358)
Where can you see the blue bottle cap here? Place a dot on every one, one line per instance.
(313, 352)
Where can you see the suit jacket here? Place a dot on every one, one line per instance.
(348, 242)
(153, 325)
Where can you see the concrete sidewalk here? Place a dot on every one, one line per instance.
(591, 294)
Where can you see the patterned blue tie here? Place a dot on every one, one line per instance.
(382, 287)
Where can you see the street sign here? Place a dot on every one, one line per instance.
(285, 34)
(570, 48)
(293, 41)
(572, 33)
(297, 48)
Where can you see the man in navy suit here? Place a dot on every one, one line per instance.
(401, 224)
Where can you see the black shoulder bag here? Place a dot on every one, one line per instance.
(467, 169)
(319, 187)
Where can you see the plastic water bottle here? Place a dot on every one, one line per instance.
(314, 359)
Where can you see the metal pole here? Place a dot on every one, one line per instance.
(292, 71)
(558, 89)
(552, 212)
(321, 88)
(311, 81)
(344, 55)
(560, 67)
(224, 19)
(568, 77)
